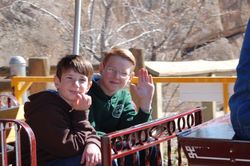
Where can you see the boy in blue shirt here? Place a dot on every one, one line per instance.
(240, 101)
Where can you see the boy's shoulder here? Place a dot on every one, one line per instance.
(41, 100)
(43, 94)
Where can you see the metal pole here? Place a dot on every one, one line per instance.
(77, 27)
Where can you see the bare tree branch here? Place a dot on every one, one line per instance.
(107, 6)
(67, 26)
(90, 21)
(137, 37)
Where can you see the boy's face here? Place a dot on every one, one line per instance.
(71, 84)
(115, 74)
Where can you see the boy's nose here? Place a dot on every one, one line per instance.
(76, 83)
(116, 74)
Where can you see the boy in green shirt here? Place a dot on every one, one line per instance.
(112, 108)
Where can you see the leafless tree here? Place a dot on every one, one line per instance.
(151, 25)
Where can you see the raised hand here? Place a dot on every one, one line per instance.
(144, 89)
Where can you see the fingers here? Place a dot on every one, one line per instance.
(91, 155)
(78, 99)
(83, 158)
(82, 102)
(144, 76)
(91, 160)
(87, 99)
(150, 78)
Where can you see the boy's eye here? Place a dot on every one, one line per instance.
(68, 77)
(109, 69)
(82, 80)
(123, 74)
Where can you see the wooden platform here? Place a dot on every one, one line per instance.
(212, 143)
(194, 68)
(187, 68)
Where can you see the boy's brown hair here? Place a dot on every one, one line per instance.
(123, 53)
(76, 62)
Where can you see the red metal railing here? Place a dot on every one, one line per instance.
(9, 124)
(131, 140)
(14, 126)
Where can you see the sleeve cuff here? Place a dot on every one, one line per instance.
(147, 112)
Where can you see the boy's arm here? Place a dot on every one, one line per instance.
(92, 153)
(130, 116)
(61, 136)
(80, 121)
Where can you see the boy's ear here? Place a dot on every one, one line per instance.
(90, 84)
(56, 82)
(101, 67)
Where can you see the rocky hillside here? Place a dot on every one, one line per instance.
(167, 30)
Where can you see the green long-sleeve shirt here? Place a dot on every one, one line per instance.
(112, 113)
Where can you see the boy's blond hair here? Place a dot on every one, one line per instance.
(121, 52)
(76, 62)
